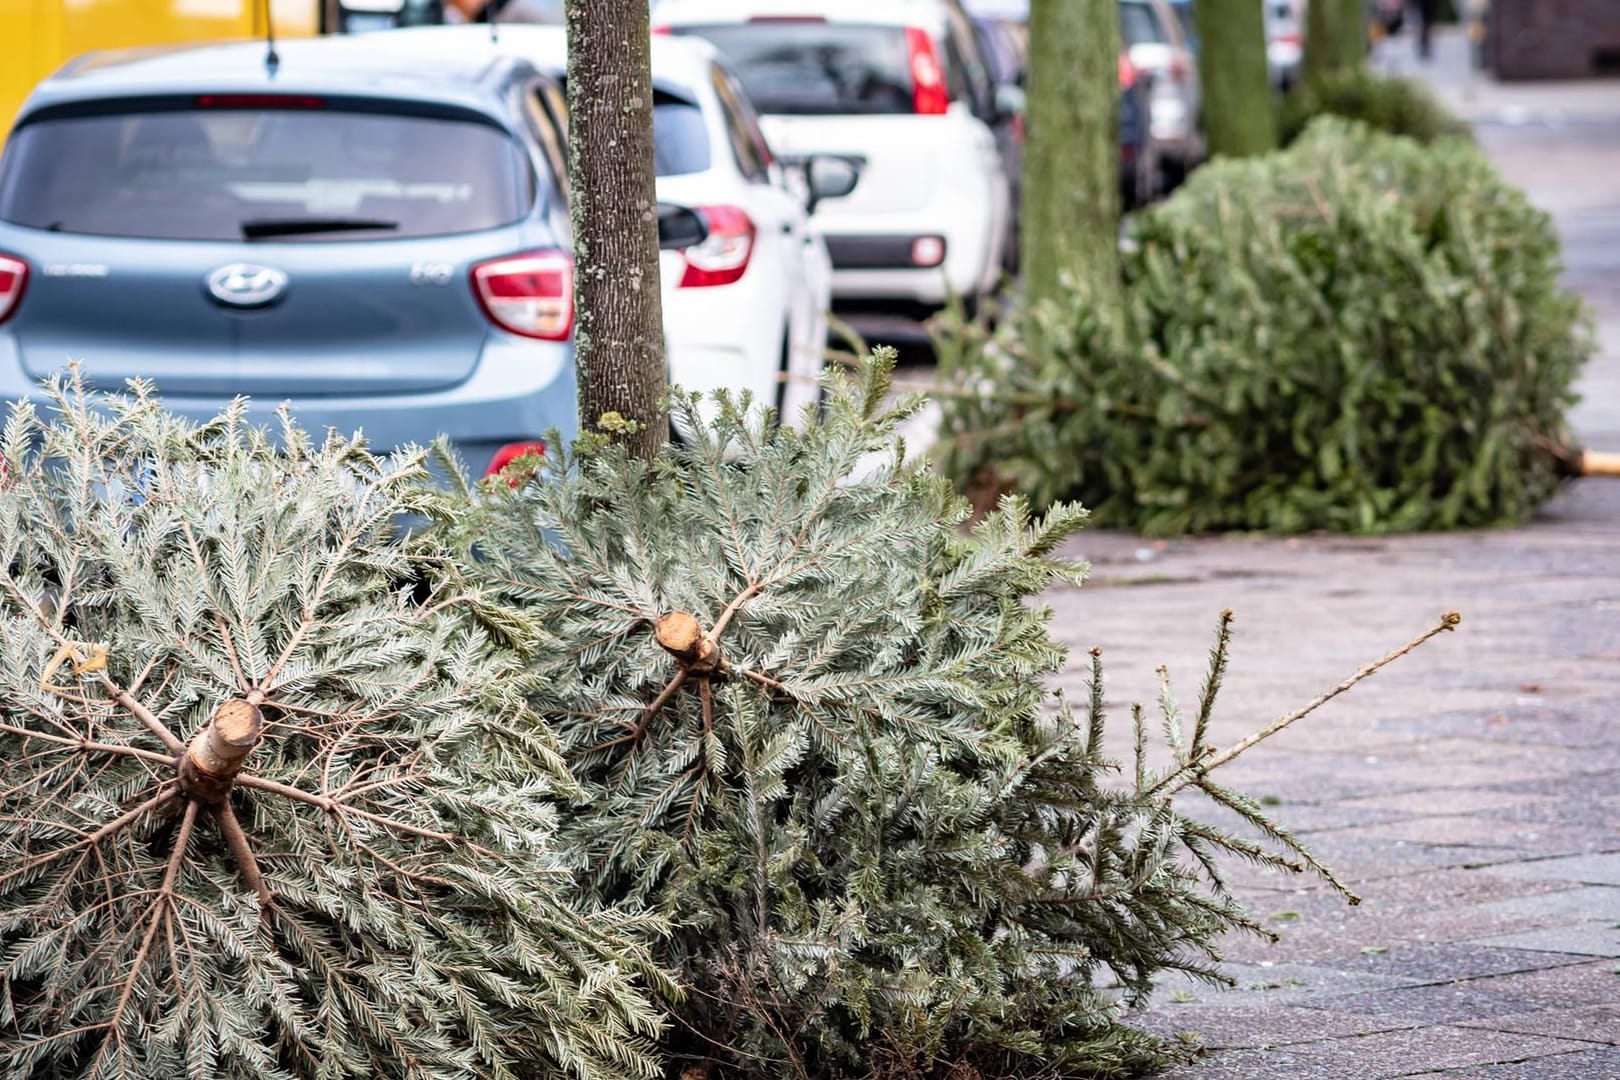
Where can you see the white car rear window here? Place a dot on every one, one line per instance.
(818, 68)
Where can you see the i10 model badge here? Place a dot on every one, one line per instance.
(245, 285)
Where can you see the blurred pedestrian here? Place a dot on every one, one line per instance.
(1427, 12)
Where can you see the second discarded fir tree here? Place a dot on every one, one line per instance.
(813, 721)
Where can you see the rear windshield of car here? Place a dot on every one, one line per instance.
(1138, 26)
(817, 68)
(264, 173)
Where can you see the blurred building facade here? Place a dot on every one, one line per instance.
(1554, 39)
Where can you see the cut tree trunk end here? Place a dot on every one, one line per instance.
(680, 635)
(216, 754)
(1574, 461)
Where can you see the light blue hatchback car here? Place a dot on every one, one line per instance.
(379, 238)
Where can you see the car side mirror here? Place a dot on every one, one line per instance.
(680, 227)
(1011, 101)
(829, 176)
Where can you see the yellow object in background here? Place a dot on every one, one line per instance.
(39, 36)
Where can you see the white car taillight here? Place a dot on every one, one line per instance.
(530, 294)
(13, 278)
(929, 94)
(722, 258)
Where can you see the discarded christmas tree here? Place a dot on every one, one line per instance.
(813, 722)
(270, 807)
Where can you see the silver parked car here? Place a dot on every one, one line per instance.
(381, 240)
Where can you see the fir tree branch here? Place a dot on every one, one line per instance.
(143, 714)
(241, 850)
(87, 746)
(90, 840)
(161, 910)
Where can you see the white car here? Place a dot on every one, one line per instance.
(898, 88)
(747, 308)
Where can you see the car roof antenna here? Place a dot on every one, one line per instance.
(272, 60)
(494, 28)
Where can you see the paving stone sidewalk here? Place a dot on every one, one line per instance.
(1470, 794)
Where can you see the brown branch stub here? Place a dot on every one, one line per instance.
(681, 635)
(217, 752)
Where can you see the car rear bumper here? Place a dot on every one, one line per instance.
(521, 390)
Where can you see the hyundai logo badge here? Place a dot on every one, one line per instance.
(245, 285)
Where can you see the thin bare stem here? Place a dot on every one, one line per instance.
(727, 615)
(1209, 761)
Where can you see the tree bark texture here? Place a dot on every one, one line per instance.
(619, 340)
(1335, 38)
(1071, 161)
(1240, 111)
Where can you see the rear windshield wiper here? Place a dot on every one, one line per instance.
(266, 228)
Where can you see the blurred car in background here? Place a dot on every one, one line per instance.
(746, 309)
(1189, 22)
(899, 88)
(1004, 46)
(1285, 41)
(1159, 50)
(1141, 168)
(381, 241)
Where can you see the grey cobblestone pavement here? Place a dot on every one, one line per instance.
(1469, 793)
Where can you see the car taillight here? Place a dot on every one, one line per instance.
(663, 31)
(511, 453)
(1180, 70)
(1288, 39)
(929, 94)
(1127, 72)
(723, 257)
(531, 294)
(13, 279)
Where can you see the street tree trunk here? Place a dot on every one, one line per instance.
(1071, 162)
(1240, 112)
(1335, 38)
(619, 341)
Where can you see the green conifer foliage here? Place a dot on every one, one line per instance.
(265, 812)
(812, 719)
